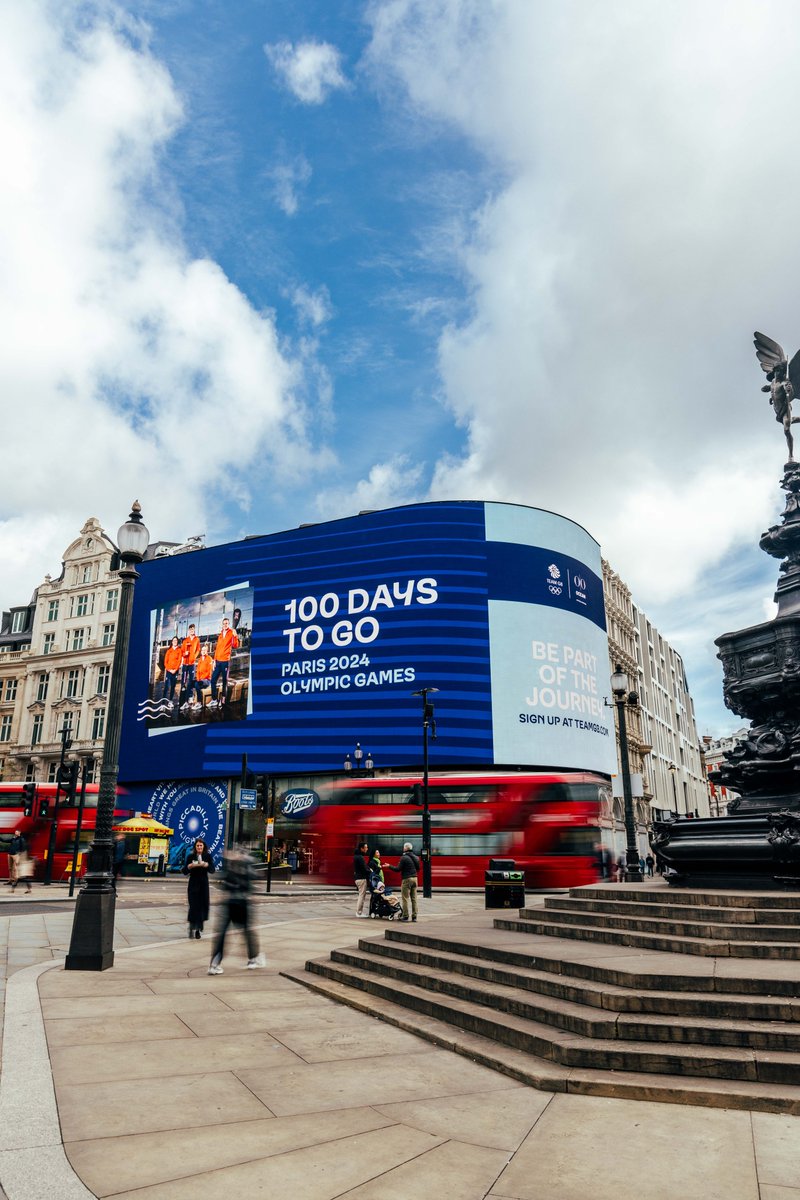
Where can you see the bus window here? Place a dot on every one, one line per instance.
(576, 842)
(10, 800)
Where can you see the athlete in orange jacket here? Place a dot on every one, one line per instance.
(226, 642)
(190, 648)
(172, 664)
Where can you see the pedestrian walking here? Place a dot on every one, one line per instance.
(360, 875)
(198, 866)
(622, 869)
(238, 874)
(119, 858)
(408, 866)
(16, 847)
(24, 868)
(641, 866)
(649, 862)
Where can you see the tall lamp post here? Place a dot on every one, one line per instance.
(428, 728)
(672, 769)
(92, 943)
(622, 697)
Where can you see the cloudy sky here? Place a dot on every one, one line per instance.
(272, 262)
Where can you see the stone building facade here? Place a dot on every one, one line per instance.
(63, 672)
(664, 749)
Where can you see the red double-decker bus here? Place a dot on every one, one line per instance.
(546, 821)
(37, 825)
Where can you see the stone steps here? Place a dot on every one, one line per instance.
(558, 988)
(556, 1060)
(632, 1022)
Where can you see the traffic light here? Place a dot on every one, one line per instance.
(28, 794)
(44, 806)
(67, 779)
(261, 793)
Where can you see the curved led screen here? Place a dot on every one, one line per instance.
(292, 647)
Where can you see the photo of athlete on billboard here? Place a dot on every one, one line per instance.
(200, 661)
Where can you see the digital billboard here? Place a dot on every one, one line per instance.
(294, 646)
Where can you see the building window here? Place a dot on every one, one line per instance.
(77, 639)
(11, 689)
(36, 731)
(103, 677)
(48, 644)
(74, 683)
(89, 770)
(52, 770)
(98, 724)
(52, 611)
(82, 605)
(5, 728)
(30, 772)
(112, 600)
(108, 635)
(18, 621)
(69, 722)
(41, 685)
(87, 574)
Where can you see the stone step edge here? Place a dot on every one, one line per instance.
(669, 927)
(715, 985)
(617, 1029)
(665, 1089)
(640, 893)
(653, 941)
(559, 1041)
(596, 993)
(716, 915)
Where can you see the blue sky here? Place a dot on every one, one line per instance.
(275, 262)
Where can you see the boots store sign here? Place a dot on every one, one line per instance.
(298, 803)
(288, 647)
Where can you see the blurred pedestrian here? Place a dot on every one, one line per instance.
(649, 862)
(119, 858)
(622, 869)
(360, 874)
(24, 868)
(198, 866)
(17, 846)
(238, 875)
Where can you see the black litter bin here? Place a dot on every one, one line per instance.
(504, 886)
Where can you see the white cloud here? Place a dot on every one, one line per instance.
(642, 227)
(313, 306)
(389, 484)
(287, 179)
(310, 70)
(129, 368)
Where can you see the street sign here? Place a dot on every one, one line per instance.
(247, 798)
(270, 829)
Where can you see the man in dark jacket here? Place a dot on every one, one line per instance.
(238, 875)
(360, 876)
(17, 846)
(408, 866)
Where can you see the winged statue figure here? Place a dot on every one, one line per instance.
(783, 382)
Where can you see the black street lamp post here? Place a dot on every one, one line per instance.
(92, 943)
(672, 769)
(428, 727)
(622, 697)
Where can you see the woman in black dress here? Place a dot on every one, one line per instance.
(198, 866)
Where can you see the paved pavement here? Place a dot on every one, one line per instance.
(158, 1081)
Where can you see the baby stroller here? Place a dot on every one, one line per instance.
(382, 903)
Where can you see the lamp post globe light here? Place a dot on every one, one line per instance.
(428, 728)
(622, 697)
(92, 943)
(360, 761)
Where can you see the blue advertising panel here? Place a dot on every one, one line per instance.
(293, 647)
(195, 809)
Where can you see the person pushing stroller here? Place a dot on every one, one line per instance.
(382, 903)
